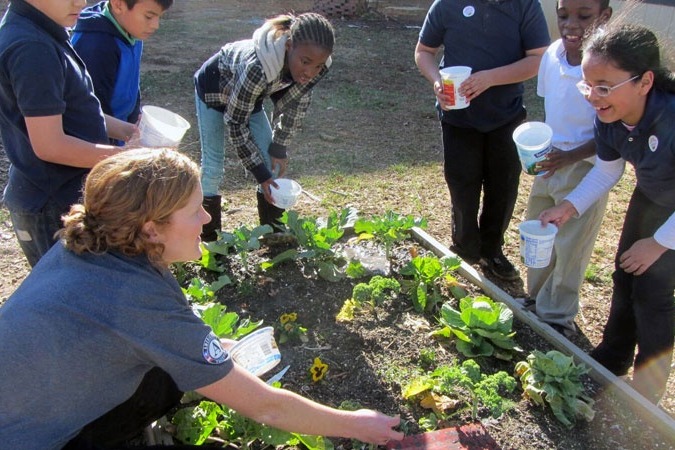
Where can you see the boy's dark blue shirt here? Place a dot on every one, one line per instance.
(41, 75)
(483, 35)
(113, 62)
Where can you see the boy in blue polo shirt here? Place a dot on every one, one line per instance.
(109, 38)
(502, 41)
(53, 129)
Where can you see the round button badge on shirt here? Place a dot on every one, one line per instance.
(469, 11)
(653, 143)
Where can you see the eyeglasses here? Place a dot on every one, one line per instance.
(600, 91)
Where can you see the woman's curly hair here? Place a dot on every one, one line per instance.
(121, 194)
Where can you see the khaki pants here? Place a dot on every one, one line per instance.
(556, 287)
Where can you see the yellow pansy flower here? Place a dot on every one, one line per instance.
(318, 370)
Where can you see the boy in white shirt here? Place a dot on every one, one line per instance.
(555, 289)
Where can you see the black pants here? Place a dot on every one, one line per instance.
(642, 313)
(156, 395)
(484, 162)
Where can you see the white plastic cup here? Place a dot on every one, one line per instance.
(452, 78)
(257, 352)
(533, 142)
(286, 196)
(160, 127)
(536, 243)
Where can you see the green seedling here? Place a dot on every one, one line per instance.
(436, 388)
(373, 293)
(482, 327)
(388, 229)
(428, 274)
(200, 292)
(208, 420)
(225, 324)
(240, 241)
(552, 378)
(315, 240)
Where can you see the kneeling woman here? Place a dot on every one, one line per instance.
(99, 340)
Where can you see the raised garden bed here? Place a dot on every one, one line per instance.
(372, 358)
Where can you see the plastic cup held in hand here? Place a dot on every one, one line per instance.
(287, 194)
(160, 127)
(257, 352)
(452, 78)
(536, 243)
(533, 142)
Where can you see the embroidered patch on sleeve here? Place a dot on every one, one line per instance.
(212, 350)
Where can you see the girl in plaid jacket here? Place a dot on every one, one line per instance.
(283, 61)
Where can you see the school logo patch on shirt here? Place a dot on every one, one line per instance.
(653, 143)
(212, 350)
(469, 11)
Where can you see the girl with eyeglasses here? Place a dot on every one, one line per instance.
(633, 95)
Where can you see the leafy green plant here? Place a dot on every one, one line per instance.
(552, 378)
(388, 228)
(209, 420)
(428, 273)
(482, 327)
(315, 240)
(200, 292)
(355, 269)
(376, 291)
(427, 358)
(241, 240)
(372, 293)
(455, 380)
(225, 324)
(290, 329)
(428, 422)
(195, 424)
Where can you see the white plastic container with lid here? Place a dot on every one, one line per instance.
(257, 352)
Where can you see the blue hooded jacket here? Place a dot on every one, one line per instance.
(113, 60)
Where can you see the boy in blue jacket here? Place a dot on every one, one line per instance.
(109, 38)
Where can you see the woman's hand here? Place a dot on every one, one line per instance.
(641, 255)
(375, 427)
(266, 190)
(559, 214)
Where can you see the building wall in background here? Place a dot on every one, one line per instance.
(658, 15)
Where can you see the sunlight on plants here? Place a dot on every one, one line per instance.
(553, 379)
(444, 389)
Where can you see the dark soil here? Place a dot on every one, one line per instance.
(371, 358)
